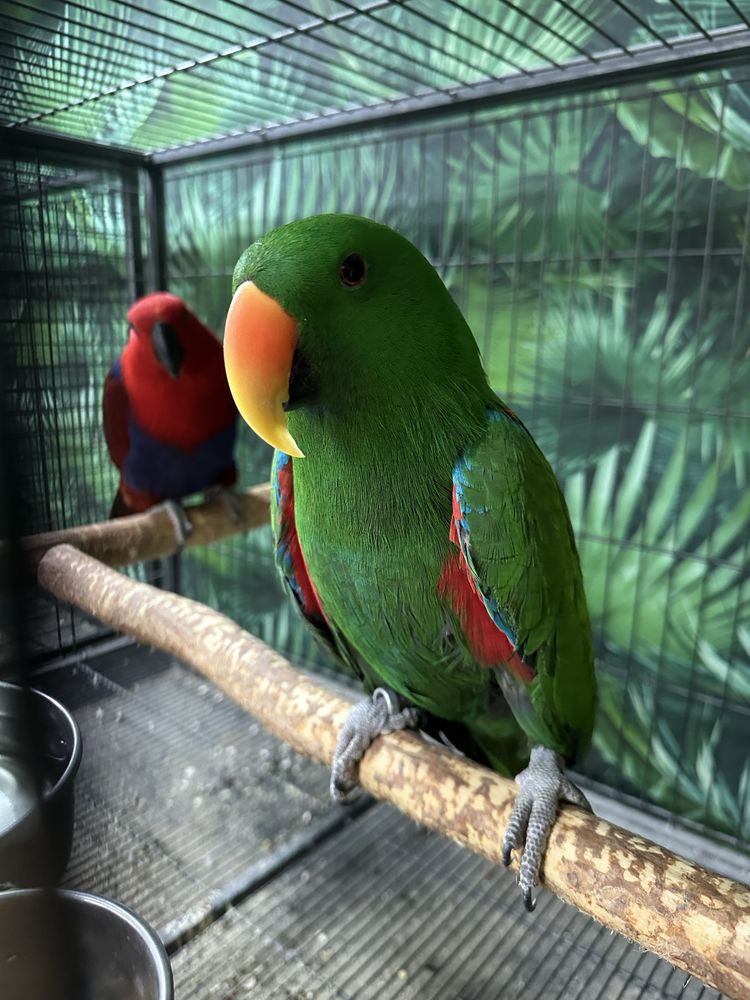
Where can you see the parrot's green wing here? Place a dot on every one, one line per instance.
(512, 525)
(294, 573)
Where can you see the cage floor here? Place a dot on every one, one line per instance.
(226, 842)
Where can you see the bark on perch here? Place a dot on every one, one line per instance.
(151, 535)
(695, 919)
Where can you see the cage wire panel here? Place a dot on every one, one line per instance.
(72, 263)
(171, 73)
(597, 243)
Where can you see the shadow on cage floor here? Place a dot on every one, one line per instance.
(225, 841)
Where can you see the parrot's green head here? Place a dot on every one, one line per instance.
(339, 315)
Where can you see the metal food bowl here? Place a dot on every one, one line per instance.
(40, 751)
(58, 944)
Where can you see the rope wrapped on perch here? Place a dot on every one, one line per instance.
(694, 919)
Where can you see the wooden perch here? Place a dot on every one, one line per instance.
(696, 920)
(151, 535)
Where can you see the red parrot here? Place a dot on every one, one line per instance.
(169, 417)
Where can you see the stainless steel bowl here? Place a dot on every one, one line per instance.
(40, 752)
(57, 944)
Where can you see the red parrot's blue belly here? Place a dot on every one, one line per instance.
(155, 467)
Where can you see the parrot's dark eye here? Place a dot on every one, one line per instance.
(353, 270)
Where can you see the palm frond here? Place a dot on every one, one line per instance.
(705, 130)
(644, 745)
(627, 377)
(664, 562)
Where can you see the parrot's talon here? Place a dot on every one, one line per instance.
(180, 521)
(230, 499)
(384, 696)
(366, 721)
(542, 786)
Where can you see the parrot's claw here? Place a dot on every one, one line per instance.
(230, 499)
(367, 720)
(180, 521)
(542, 786)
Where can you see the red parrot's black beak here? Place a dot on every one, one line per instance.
(167, 348)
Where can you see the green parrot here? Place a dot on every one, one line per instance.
(417, 525)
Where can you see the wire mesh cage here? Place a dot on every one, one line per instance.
(578, 173)
(170, 75)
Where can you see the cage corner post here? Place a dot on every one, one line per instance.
(156, 266)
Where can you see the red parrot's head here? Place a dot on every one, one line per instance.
(173, 371)
(164, 333)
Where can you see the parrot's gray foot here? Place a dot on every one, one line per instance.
(230, 499)
(543, 785)
(180, 521)
(367, 720)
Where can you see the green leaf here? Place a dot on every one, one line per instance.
(696, 508)
(696, 129)
(663, 501)
(632, 485)
(734, 678)
(601, 494)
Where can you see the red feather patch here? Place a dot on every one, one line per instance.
(308, 596)
(488, 644)
(116, 415)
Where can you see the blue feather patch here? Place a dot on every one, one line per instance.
(284, 506)
(461, 479)
(168, 471)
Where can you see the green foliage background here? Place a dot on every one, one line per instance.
(599, 248)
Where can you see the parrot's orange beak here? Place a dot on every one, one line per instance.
(259, 342)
